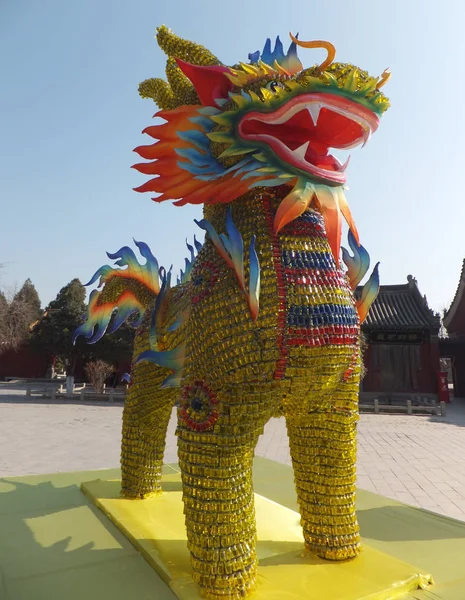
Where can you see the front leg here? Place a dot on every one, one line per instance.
(216, 471)
(323, 451)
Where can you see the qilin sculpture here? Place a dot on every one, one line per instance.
(263, 321)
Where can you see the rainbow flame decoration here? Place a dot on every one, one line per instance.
(357, 267)
(125, 292)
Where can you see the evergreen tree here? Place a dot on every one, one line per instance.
(54, 331)
(114, 347)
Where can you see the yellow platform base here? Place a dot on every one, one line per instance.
(156, 528)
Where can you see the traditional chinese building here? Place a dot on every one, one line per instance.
(453, 347)
(401, 333)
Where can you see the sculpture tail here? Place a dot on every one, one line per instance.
(142, 291)
(124, 293)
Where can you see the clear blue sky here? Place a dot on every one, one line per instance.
(70, 116)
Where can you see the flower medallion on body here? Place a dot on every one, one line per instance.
(198, 410)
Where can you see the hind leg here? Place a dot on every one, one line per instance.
(323, 452)
(146, 415)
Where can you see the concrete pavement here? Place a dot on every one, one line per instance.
(414, 459)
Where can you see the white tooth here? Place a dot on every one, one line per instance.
(345, 165)
(314, 111)
(300, 152)
(366, 136)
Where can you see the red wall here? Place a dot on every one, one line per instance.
(29, 364)
(427, 381)
(24, 363)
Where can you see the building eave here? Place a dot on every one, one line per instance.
(401, 307)
(450, 318)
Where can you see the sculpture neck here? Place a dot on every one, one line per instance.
(251, 212)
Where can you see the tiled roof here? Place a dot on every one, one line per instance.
(400, 307)
(454, 317)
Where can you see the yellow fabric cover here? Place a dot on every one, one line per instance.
(156, 527)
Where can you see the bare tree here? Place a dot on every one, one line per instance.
(98, 371)
(17, 315)
(442, 330)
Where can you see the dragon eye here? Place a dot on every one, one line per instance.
(274, 86)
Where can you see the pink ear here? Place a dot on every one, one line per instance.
(210, 83)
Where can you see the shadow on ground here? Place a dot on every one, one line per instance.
(404, 524)
(55, 542)
(455, 413)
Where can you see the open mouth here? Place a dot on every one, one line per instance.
(304, 130)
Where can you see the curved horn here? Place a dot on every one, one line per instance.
(331, 50)
(384, 78)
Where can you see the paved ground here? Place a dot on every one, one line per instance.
(417, 460)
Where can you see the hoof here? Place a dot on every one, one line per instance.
(335, 553)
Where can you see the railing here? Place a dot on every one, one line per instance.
(409, 408)
(83, 391)
(401, 403)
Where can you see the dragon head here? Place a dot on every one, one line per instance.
(268, 123)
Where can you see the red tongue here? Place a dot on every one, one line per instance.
(317, 155)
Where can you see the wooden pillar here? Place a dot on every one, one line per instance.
(459, 373)
(435, 366)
